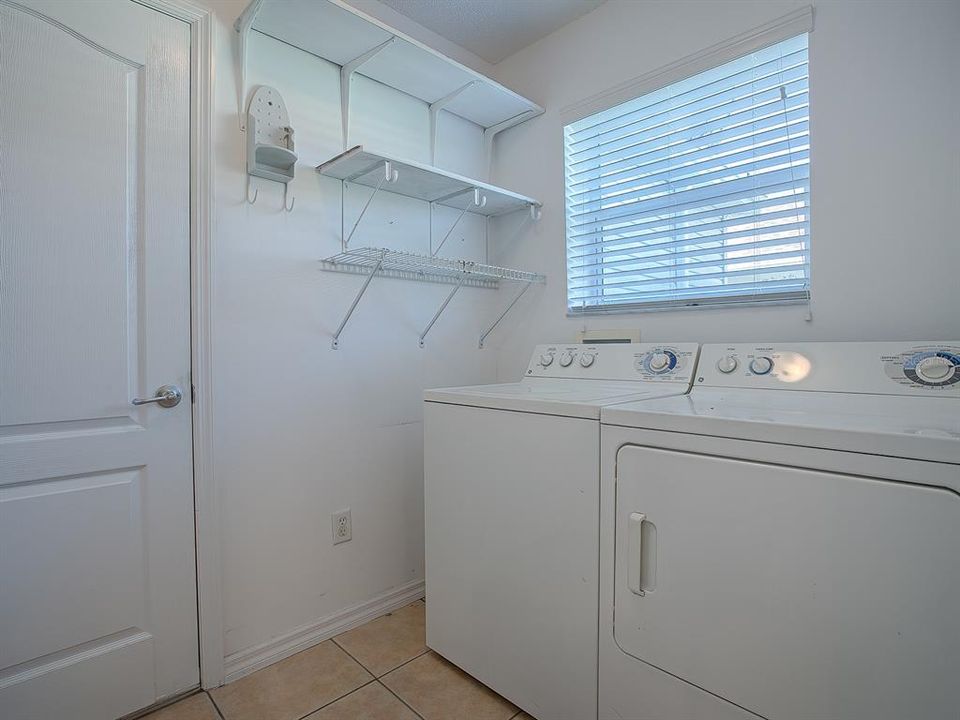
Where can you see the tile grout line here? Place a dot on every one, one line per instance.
(349, 655)
(338, 699)
(215, 706)
(408, 705)
(373, 679)
(377, 678)
(405, 662)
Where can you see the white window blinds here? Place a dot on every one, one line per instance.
(695, 194)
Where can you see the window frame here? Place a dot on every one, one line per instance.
(791, 25)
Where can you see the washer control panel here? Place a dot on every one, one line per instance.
(648, 362)
(868, 367)
(933, 367)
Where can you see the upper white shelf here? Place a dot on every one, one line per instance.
(423, 182)
(337, 32)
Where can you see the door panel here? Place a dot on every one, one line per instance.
(91, 545)
(72, 310)
(97, 572)
(790, 592)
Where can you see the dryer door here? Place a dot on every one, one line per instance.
(790, 592)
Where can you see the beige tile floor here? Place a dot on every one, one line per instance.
(378, 671)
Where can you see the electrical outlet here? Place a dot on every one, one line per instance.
(342, 526)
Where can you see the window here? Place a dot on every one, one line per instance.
(695, 194)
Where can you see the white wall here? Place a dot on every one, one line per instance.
(885, 113)
(302, 430)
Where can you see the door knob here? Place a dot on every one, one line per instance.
(167, 396)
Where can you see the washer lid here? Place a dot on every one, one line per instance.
(550, 396)
(922, 428)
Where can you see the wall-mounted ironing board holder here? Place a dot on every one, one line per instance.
(270, 145)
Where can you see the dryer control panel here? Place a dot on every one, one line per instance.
(893, 368)
(643, 362)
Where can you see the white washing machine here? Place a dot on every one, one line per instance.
(784, 541)
(512, 516)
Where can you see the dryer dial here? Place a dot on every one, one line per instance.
(761, 365)
(566, 359)
(727, 364)
(660, 362)
(934, 368)
(546, 360)
(586, 360)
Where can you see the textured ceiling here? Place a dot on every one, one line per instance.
(493, 29)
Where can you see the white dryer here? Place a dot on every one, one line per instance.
(511, 495)
(784, 541)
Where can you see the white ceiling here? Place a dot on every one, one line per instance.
(493, 29)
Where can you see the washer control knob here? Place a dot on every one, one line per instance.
(761, 365)
(546, 360)
(566, 359)
(659, 362)
(934, 368)
(727, 364)
(586, 360)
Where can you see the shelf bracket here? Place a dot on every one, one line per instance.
(242, 26)
(346, 76)
(536, 212)
(504, 313)
(479, 200)
(435, 108)
(353, 306)
(491, 132)
(443, 307)
(389, 175)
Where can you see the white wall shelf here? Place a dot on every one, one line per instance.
(411, 266)
(337, 32)
(424, 182)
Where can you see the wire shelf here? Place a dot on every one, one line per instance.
(411, 266)
(371, 262)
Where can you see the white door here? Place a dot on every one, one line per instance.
(796, 594)
(98, 613)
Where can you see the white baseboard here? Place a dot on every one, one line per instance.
(259, 656)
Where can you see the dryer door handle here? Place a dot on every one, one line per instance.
(635, 552)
